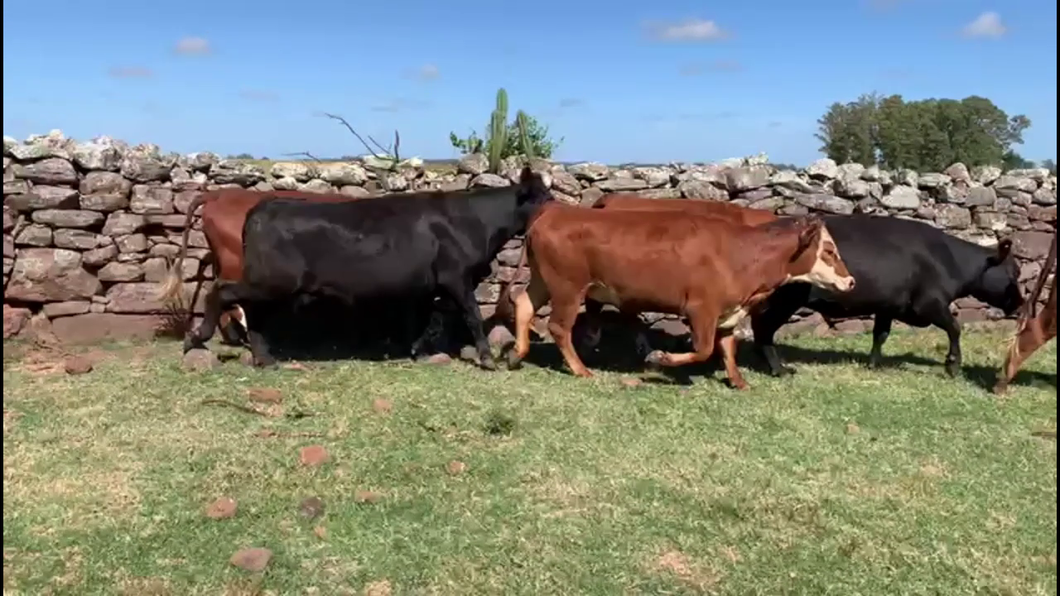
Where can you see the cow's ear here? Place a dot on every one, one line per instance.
(809, 232)
(1004, 249)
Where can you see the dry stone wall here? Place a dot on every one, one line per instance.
(89, 227)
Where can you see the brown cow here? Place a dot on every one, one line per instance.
(223, 213)
(1032, 331)
(707, 269)
(632, 201)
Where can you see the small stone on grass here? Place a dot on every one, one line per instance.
(77, 365)
(313, 455)
(222, 508)
(311, 507)
(455, 467)
(251, 559)
(200, 361)
(265, 395)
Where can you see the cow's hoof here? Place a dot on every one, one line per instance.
(192, 344)
(781, 372)
(1000, 389)
(230, 335)
(655, 359)
(514, 361)
(264, 361)
(953, 369)
(487, 363)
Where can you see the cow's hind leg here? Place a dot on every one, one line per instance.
(704, 325)
(196, 339)
(727, 344)
(231, 294)
(938, 313)
(770, 316)
(526, 306)
(561, 324)
(463, 294)
(881, 330)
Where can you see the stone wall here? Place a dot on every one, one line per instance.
(89, 227)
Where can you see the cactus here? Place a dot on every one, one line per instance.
(524, 134)
(498, 131)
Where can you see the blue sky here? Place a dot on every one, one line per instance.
(621, 81)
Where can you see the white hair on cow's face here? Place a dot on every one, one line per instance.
(823, 274)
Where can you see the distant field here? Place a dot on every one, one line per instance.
(840, 480)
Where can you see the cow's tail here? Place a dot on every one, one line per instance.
(504, 313)
(1030, 306)
(171, 292)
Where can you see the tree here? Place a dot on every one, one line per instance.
(928, 134)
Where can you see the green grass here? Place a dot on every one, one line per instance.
(839, 480)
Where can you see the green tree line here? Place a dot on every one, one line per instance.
(923, 135)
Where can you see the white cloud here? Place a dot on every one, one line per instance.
(987, 25)
(689, 30)
(193, 46)
(130, 72)
(427, 72)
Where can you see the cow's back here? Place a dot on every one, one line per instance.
(898, 262)
(224, 212)
(727, 211)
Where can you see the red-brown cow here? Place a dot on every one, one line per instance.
(710, 270)
(223, 213)
(729, 211)
(1032, 331)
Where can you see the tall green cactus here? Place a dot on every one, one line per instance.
(498, 131)
(522, 125)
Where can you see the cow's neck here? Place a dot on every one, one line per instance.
(764, 257)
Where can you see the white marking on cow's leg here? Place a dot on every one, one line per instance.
(241, 316)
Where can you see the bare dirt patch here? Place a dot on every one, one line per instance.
(693, 574)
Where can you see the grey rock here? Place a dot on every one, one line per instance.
(143, 167)
(565, 182)
(953, 216)
(98, 154)
(981, 196)
(44, 197)
(68, 218)
(696, 189)
(958, 172)
(490, 181)
(342, 174)
(300, 172)
(115, 271)
(871, 173)
(230, 171)
(356, 192)
(589, 171)
(15, 187)
(791, 180)
(907, 177)
(622, 184)
(932, 180)
(985, 174)
(49, 275)
(1044, 196)
(75, 239)
(744, 179)
(287, 183)
(655, 177)
(757, 194)
(131, 243)
(52, 170)
(823, 169)
(100, 256)
(67, 308)
(851, 187)
(120, 223)
(901, 197)
(473, 164)
(1038, 175)
(826, 203)
(151, 200)
(34, 235)
(989, 220)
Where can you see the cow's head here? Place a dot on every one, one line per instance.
(998, 283)
(532, 188)
(816, 259)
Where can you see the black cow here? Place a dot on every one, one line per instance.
(907, 271)
(402, 247)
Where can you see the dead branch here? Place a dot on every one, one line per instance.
(305, 154)
(392, 152)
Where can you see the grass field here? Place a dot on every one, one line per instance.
(839, 480)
